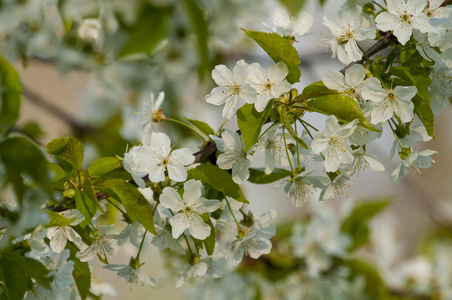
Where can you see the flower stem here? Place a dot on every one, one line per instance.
(307, 130)
(222, 125)
(233, 215)
(287, 150)
(395, 134)
(188, 126)
(298, 151)
(365, 54)
(141, 245)
(266, 131)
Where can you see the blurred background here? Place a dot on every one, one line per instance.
(93, 96)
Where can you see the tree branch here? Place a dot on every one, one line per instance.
(57, 112)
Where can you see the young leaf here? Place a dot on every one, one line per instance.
(314, 90)
(250, 122)
(86, 203)
(148, 31)
(293, 6)
(285, 121)
(202, 126)
(258, 176)
(19, 155)
(106, 168)
(218, 179)
(279, 49)
(200, 27)
(58, 220)
(356, 224)
(137, 207)
(68, 151)
(344, 108)
(10, 96)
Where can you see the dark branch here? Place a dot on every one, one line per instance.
(57, 112)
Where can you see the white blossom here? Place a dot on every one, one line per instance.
(89, 30)
(296, 27)
(150, 113)
(130, 274)
(254, 240)
(441, 36)
(164, 239)
(435, 10)
(233, 88)
(299, 187)
(418, 160)
(207, 267)
(418, 133)
(269, 85)
(347, 30)
(389, 102)
(102, 245)
(157, 159)
(334, 140)
(59, 235)
(441, 88)
(275, 151)
(234, 155)
(363, 159)
(189, 209)
(352, 83)
(402, 17)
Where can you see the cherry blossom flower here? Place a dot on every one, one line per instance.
(435, 10)
(157, 159)
(102, 245)
(299, 187)
(130, 274)
(389, 102)
(351, 83)
(275, 151)
(59, 235)
(334, 141)
(208, 267)
(402, 17)
(189, 209)
(418, 160)
(233, 89)
(270, 84)
(234, 155)
(254, 240)
(297, 26)
(150, 113)
(347, 30)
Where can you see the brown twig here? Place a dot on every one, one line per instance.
(57, 112)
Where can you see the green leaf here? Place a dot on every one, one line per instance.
(293, 6)
(200, 27)
(375, 287)
(209, 242)
(279, 49)
(356, 224)
(14, 278)
(32, 129)
(59, 176)
(344, 108)
(250, 122)
(258, 176)
(81, 272)
(217, 179)
(35, 270)
(68, 151)
(10, 96)
(136, 206)
(203, 127)
(19, 155)
(422, 106)
(58, 220)
(86, 202)
(286, 122)
(314, 90)
(148, 31)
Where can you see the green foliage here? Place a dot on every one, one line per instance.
(68, 151)
(32, 130)
(81, 273)
(86, 202)
(106, 168)
(375, 286)
(258, 176)
(58, 220)
(279, 49)
(217, 179)
(209, 242)
(293, 6)
(136, 206)
(10, 96)
(250, 122)
(287, 125)
(16, 272)
(413, 76)
(356, 225)
(148, 31)
(20, 156)
(202, 126)
(200, 27)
